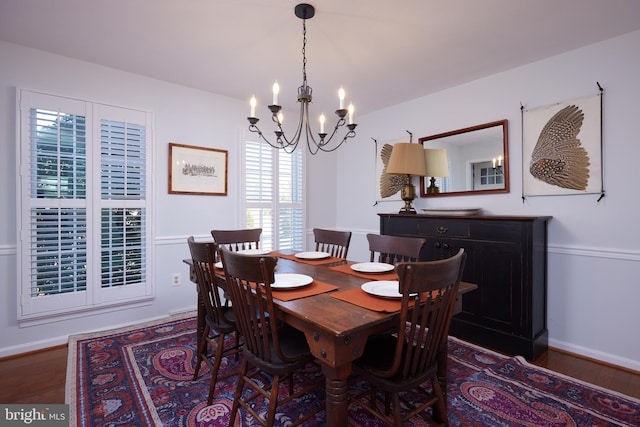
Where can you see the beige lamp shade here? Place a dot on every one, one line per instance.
(407, 159)
(435, 160)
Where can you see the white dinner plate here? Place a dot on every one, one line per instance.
(312, 255)
(372, 267)
(254, 251)
(218, 264)
(290, 281)
(382, 288)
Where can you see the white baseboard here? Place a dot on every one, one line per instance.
(597, 355)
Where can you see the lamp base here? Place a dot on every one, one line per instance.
(433, 188)
(409, 210)
(408, 194)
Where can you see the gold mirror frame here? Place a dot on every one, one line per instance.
(488, 135)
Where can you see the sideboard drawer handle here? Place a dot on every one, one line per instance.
(442, 229)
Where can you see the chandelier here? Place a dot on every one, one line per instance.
(345, 115)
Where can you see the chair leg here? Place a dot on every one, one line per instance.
(201, 348)
(237, 334)
(440, 406)
(273, 400)
(397, 415)
(372, 398)
(238, 394)
(290, 384)
(216, 367)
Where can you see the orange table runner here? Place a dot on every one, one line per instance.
(322, 261)
(346, 268)
(315, 288)
(362, 299)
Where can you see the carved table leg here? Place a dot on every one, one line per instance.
(337, 396)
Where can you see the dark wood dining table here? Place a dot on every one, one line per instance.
(337, 330)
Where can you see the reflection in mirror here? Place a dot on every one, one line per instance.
(477, 161)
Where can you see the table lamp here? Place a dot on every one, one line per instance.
(435, 160)
(407, 159)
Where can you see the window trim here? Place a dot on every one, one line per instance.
(94, 299)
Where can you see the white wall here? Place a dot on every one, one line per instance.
(182, 115)
(594, 248)
(594, 254)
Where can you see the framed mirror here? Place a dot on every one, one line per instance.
(472, 160)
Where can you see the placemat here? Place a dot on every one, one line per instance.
(316, 287)
(346, 268)
(322, 261)
(362, 299)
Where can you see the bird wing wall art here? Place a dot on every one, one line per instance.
(562, 148)
(389, 184)
(558, 157)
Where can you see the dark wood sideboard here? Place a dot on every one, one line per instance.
(507, 259)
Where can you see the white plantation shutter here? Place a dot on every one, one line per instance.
(274, 195)
(290, 201)
(82, 173)
(123, 158)
(57, 250)
(123, 228)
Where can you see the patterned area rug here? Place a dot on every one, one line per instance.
(142, 376)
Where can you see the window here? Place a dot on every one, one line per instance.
(274, 195)
(84, 240)
(487, 177)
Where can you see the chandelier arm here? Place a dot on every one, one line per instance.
(341, 121)
(282, 137)
(254, 128)
(309, 134)
(350, 134)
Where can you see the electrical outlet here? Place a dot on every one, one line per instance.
(176, 279)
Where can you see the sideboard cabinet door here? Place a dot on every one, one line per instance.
(506, 258)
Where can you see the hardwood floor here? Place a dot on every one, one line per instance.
(622, 380)
(39, 377)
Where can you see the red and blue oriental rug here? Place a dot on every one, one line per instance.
(142, 376)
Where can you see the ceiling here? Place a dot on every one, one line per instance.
(383, 52)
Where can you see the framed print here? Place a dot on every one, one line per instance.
(562, 148)
(197, 170)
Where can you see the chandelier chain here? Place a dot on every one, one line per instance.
(304, 52)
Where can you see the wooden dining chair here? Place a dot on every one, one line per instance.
(403, 361)
(394, 249)
(219, 320)
(336, 243)
(269, 346)
(234, 240)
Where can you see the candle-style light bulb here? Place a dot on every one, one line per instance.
(494, 162)
(499, 160)
(351, 114)
(341, 97)
(322, 123)
(252, 102)
(276, 91)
